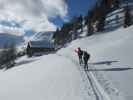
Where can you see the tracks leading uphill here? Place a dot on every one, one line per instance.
(97, 89)
(100, 91)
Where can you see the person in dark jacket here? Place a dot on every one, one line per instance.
(80, 54)
(86, 57)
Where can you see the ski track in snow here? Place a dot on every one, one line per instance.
(87, 86)
(100, 93)
(101, 87)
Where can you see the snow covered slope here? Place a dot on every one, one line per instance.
(59, 76)
(111, 60)
(46, 78)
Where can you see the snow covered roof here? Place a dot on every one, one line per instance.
(42, 40)
(41, 44)
(43, 36)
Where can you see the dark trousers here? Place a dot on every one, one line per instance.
(85, 64)
(80, 60)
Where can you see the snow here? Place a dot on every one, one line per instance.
(123, 53)
(59, 76)
(115, 18)
(112, 46)
(41, 80)
(43, 36)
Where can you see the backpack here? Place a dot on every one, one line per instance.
(86, 55)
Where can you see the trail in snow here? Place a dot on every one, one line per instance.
(87, 86)
(93, 87)
(105, 86)
(114, 77)
(98, 90)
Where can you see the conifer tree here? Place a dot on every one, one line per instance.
(81, 22)
(128, 18)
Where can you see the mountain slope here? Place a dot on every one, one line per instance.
(6, 39)
(115, 78)
(39, 79)
(59, 76)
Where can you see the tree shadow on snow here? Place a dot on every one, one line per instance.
(24, 62)
(111, 69)
(103, 62)
(20, 63)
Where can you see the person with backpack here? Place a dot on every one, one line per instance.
(86, 57)
(80, 55)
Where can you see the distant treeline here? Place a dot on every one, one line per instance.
(94, 20)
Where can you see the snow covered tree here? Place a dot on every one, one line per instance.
(8, 56)
(28, 50)
(90, 29)
(88, 22)
(101, 23)
(128, 18)
(81, 22)
(57, 37)
(117, 3)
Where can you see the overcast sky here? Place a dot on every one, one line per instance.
(17, 16)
